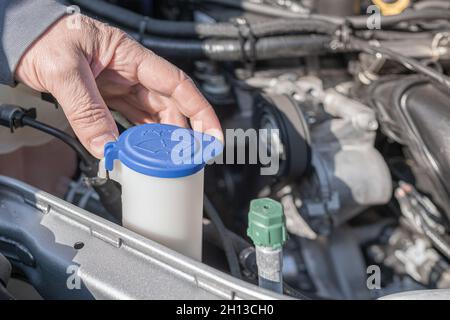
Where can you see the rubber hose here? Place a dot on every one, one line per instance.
(192, 49)
(266, 48)
(61, 135)
(360, 22)
(130, 19)
(357, 22)
(187, 29)
(409, 63)
(231, 50)
(232, 259)
(258, 8)
(289, 26)
(108, 192)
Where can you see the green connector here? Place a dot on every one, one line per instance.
(266, 223)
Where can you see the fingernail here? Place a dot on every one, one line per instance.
(98, 144)
(218, 134)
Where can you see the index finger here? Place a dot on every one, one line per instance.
(157, 74)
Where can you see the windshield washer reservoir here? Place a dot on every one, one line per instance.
(161, 170)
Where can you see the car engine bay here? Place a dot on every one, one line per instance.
(358, 93)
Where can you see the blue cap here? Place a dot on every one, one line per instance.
(161, 150)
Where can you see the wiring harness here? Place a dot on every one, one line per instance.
(14, 117)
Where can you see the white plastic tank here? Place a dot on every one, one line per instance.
(161, 169)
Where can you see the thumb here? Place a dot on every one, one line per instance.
(77, 93)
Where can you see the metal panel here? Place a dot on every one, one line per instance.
(38, 233)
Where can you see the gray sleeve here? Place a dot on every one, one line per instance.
(21, 23)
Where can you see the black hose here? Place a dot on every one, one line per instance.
(239, 243)
(357, 22)
(187, 29)
(234, 50)
(407, 62)
(265, 45)
(259, 8)
(84, 155)
(291, 23)
(190, 49)
(285, 47)
(272, 11)
(232, 259)
(289, 26)
(133, 20)
(110, 196)
(113, 12)
(108, 192)
(394, 35)
(13, 117)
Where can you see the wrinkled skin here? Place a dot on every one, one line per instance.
(89, 68)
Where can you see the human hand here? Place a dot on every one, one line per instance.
(96, 66)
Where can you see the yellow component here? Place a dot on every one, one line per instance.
(392, 8)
